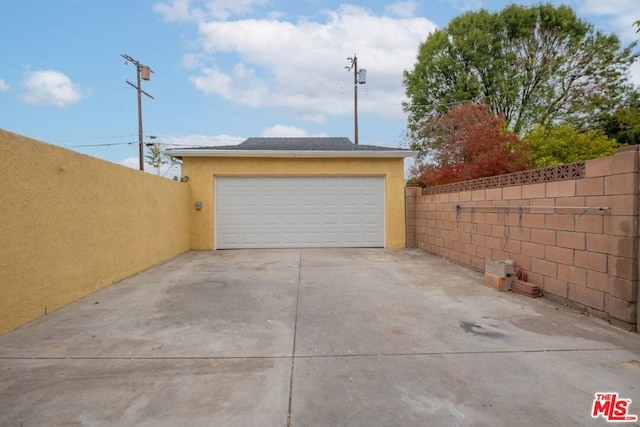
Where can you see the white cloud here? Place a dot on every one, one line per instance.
(198, 10)
(213, 81)
(4, 86)
(223, 9)
(177, 11)
(609, 7)
(197, 140)
(50, 88)
(403, 9)
(130, 162)
(301, 65)
(286, 131)
(191, 61)
(621, 15)
(166, 170)
(634, 72)
(464, 5)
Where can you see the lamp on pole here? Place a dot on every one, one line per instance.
(359, 77)
(142, 73)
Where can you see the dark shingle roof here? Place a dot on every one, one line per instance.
(302, 144)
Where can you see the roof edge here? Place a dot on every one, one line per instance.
(289, 153)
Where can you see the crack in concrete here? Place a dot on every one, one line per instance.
(293, 349)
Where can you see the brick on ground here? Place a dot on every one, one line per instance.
(525, 288)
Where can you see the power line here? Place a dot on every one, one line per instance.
(102, 145)
(165, 144)
(79, 138)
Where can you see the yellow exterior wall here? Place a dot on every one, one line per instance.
(71, 224)
(201, 171)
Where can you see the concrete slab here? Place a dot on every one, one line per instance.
(312, 337)
(144, 392)
(441, 308)
(465, 389)
(196, 305)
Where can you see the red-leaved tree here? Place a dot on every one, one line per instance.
(467, 142)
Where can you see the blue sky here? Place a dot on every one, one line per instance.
(224, 70)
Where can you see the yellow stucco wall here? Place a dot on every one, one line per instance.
(201, 171)
(71, 224)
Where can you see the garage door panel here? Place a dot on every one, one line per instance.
(351, 219)
(351, 238)
(248, 219)
(331, 219)
(289, 219)
(291, 238)
(330, 201)
(270, 201)
(272, 212)
(311, 238)
(227, 239)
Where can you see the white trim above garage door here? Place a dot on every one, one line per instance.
(299, 211)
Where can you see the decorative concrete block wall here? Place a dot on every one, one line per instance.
(572, 228)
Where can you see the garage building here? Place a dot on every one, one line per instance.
(296, 192)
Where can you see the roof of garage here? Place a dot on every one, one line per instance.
(293, 147)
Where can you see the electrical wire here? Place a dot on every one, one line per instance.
(165, 144)
(77, 138)
(102, 145)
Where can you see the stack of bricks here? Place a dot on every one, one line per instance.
(522, 287)
(503, 276)
(525, 288)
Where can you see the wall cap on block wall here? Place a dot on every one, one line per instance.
(549, 174)
(628, 148)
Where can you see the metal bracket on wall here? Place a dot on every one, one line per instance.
(504, 210)
(520, 208)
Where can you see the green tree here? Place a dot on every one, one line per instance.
(563, 144)
(156, 157)
(538, 65)
(623, 125)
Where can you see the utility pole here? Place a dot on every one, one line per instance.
(142, 73)
(359, 77)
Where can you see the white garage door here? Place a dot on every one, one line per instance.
(300, 211)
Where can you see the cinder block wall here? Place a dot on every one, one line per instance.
(71, 224)
(411, 194)
(587, 259)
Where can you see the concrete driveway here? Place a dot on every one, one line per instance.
(326, 337)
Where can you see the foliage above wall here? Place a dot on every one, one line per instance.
(563, 144)
(533, 65)
(467, 142)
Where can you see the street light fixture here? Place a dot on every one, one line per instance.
(359, 77)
